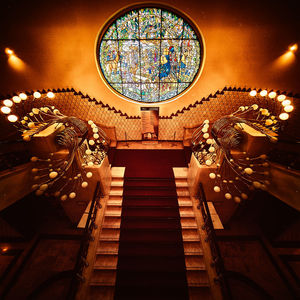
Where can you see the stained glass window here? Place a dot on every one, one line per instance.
(149, 54)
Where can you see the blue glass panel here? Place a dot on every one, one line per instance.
(150, 23)
(130, 61)
(150, 53)
(150, 92)
(190, 60)
(128, 26)
(170, 54)
(172, 26)
(168, 90)
(110, 61)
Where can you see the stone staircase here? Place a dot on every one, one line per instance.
(102, 282)
(196, 269)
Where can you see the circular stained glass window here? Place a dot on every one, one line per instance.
(149, 54)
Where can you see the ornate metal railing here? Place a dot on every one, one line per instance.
(87, 236)
(217, 261)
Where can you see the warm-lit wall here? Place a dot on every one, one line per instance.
(57, 43)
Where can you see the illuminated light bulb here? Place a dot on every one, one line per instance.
(217, 189)
(268, 122)
(242, 108)
(34, 158)
(31, 125)
(263, 93)
(212, 175)
(209, 141)
(16, 99)
(39, 192)
(89, 174)
(263, 156)
(37, 95)
(88, 152)
(56, 111)
(228, 196)
(95, 130)
(90, 122)
(208, 162)
(56, 194)
(211, 149)
(206, 135)
(281, 98)
(204, 129)
(8, 103)
(43, 187)
(6, 110)
(253, 93)
(206, 121)
(26, 138)
(264, 111)
(50, 95)
(72, 195)
(286, 102)
(272, 95)
(34, 187)
(9, 51)
(84, 184)
(23, 96)
(35, 111)
(53, 174)
(90, 163)
(63, 197)
(244, 196)
(248, 171)
(91, 142)
(255, 106)
(287, 108)
(283, 116)
(237, 199)
(256, 184)
(96, 136)
(12, 118)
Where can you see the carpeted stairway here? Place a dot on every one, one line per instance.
(151, 262)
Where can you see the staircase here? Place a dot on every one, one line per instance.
(102, 282)
(197, 276)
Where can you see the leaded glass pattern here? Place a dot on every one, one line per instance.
(149, 54)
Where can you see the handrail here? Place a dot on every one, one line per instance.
(212, 239)
(81, 262)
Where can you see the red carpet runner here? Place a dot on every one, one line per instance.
(151, 257)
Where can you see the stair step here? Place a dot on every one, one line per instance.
(110, 233)
(112, 221)
(197, 278)
(200, 292)
(106, 261)
(188, 223)
(189, 233)
(114, 202)
(193, 247)
(117, 182)
(180, 183)
(108, 247)
(185, 201)
(116, 212)
(194, 261)
(117, 172)
(116, 192)
(103, 277)
(186, 212)
(182, 192)
(180, 173)
(150, 211)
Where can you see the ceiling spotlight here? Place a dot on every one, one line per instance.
(281, 98)
(283, 116)
(16, 99)
(9, 51)
(293, 48)
(286, 102)
(253, 93)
